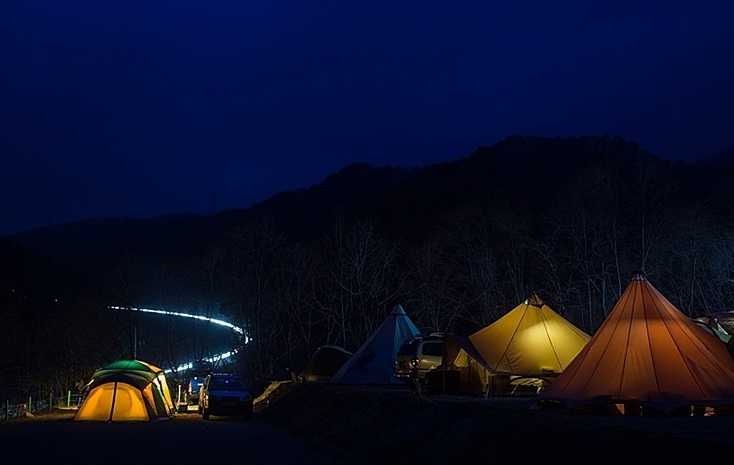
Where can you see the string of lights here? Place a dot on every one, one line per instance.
(216, 321)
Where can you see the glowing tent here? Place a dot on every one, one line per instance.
(474, 375)
(138, 366)
(647, 350)
(531, 340)
(374, 362)
(126, 390)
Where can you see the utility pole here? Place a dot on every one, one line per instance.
(133, 335)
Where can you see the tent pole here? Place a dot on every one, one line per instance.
(443, 366)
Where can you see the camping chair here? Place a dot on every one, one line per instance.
(534, 381)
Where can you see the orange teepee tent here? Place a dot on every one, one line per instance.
(647, 350)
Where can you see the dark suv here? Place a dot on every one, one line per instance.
(224, 394)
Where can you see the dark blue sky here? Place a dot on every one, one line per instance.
(140, 108)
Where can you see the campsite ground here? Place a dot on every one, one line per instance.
(394, 426)
(333, 424)
(184, 440)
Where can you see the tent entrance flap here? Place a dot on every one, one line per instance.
(98, 404)
(128, 404)
(114, 401)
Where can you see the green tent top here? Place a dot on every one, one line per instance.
(133, 378)
(143, 369)
(127, 365)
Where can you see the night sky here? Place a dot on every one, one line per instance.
(142, 108)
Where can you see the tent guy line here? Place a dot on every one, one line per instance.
(189, 365)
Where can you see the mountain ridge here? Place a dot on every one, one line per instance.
(397, 197)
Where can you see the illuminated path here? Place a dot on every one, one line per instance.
(189, 365)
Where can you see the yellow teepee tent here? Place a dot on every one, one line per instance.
(531, 340)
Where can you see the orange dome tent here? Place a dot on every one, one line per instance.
(126, 390)
(648, 351)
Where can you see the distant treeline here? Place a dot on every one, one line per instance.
(458, 244)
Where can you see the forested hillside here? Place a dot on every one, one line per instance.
(457, 244)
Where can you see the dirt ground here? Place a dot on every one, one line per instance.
(186, 439)
(394, 426)
(321, 424)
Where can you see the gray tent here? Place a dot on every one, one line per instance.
(373, 363)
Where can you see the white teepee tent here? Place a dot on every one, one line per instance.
(373, 362)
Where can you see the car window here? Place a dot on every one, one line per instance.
(409, 348)
(226, 382)
(433, 348)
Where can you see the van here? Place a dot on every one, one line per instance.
(420, 355)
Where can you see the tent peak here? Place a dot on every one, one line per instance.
(534, 300)
(639, 277)
(398, 310)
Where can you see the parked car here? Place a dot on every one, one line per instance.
(420, 355)
(224, 394)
